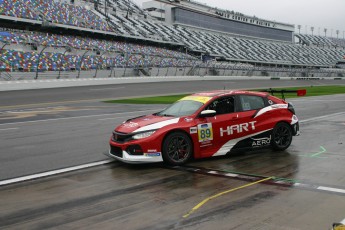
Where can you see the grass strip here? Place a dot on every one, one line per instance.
(311, 91)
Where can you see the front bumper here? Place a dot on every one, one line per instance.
(127, 158)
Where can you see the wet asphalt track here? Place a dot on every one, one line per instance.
(306, 189)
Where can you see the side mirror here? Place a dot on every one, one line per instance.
(208, 113)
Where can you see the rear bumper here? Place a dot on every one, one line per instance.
(295, 129)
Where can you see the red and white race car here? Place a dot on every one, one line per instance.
(206, 124)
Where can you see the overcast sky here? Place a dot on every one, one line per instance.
(320, 14)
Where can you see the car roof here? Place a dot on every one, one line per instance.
(218, 93)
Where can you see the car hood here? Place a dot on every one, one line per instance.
(144, 123)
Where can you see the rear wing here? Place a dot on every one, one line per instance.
(300, 92)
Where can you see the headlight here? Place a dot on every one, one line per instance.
(143, 135)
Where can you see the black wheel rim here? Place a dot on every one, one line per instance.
(282, 136)
(178, 149)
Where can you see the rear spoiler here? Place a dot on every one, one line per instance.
(300, 92)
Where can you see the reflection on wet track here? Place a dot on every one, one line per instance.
(300, 188)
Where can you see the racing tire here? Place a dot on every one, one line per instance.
(177, 148)
(281, 136)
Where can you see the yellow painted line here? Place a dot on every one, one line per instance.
(223, 193)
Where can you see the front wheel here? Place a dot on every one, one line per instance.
(177, 148)
(281, 136)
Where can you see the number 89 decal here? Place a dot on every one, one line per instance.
(205, 132)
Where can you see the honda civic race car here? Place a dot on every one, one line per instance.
(204, 125)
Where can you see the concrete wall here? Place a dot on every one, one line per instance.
(171, 71)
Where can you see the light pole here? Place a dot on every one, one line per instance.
(325, 30)
(312, 30)
(299, 29)
(337, 32)
(68, 49)
(38, 61)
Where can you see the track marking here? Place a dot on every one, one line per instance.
(316, 155)
(322, 117)
(223, 193)
(283, 181)
(323, 150)
(54, 172)
(67, 118)
(105, 119)
(330, 189)
(275, 180)
(8, 129)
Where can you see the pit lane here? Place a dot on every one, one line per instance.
(156, 197)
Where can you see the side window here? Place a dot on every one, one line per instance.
(223, 105)
(249, 102)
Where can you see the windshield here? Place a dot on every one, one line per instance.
(181, 108)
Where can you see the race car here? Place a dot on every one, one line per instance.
(206, 124)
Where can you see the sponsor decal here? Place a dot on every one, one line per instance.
(205, 144)
(270, 102)
(240, 128)
(152, 150)
(279, 106)
(197, 98)
(258, 142)
(157, 154)
(270, 108)
(205, 132)
(193, 130)
(130, 124)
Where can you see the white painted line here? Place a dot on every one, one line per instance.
(8, 129)
(105, 119)
(322, 117)
(54, 172)
(67, 118)
(337, 190)
(231, 175)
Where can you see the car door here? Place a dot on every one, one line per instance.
(254, 130)
(212, 131)
(235, 123)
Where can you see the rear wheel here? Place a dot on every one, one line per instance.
(177, 148)
(281, 136)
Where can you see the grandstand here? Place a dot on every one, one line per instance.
(74, 38)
